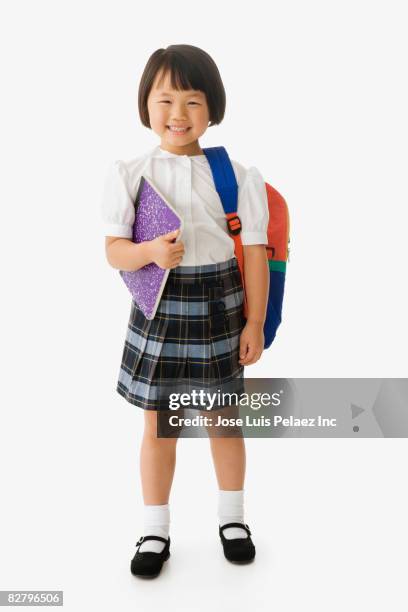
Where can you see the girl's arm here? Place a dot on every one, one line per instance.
(256, 272)
(124, 254)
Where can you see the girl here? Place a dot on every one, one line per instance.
(199, 333)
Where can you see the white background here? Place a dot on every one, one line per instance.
(316, 99)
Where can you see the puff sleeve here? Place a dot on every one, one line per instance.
(253, 208)
(117, 208)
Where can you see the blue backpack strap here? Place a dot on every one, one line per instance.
(224, 177)
(227, 188)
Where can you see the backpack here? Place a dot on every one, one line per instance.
(277, 248)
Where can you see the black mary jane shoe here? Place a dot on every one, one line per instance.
(238, 550)
(149, 564)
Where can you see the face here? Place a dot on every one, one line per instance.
(169, 108)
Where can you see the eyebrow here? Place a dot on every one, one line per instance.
(190, 95)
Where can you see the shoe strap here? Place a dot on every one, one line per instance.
(241, 525)
(151, 537)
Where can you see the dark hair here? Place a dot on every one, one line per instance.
(190, 68)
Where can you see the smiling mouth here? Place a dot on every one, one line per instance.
(176, 130)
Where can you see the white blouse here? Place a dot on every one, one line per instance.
(187, 183)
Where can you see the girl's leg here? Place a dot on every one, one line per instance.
(229, 462)
(157, 465)
(227, 448)
(229, 459)
(157, 462)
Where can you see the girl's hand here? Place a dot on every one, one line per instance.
(166, 254)
(251, 343)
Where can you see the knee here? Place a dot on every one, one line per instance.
(224, 423)
(153, 426)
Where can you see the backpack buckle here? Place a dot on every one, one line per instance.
(234, 225)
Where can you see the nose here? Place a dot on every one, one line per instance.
(178, 112)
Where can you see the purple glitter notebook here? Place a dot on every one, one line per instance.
(154, 216)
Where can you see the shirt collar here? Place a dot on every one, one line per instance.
(161, 153)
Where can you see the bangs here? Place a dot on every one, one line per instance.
(183, 76)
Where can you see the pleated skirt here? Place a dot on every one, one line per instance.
(193, 340)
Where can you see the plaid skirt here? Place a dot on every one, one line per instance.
(193, 340)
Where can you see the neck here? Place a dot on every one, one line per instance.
(193, 148)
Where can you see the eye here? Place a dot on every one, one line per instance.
(169, 102)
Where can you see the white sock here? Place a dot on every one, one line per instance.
(231, 510)
(156, 522)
